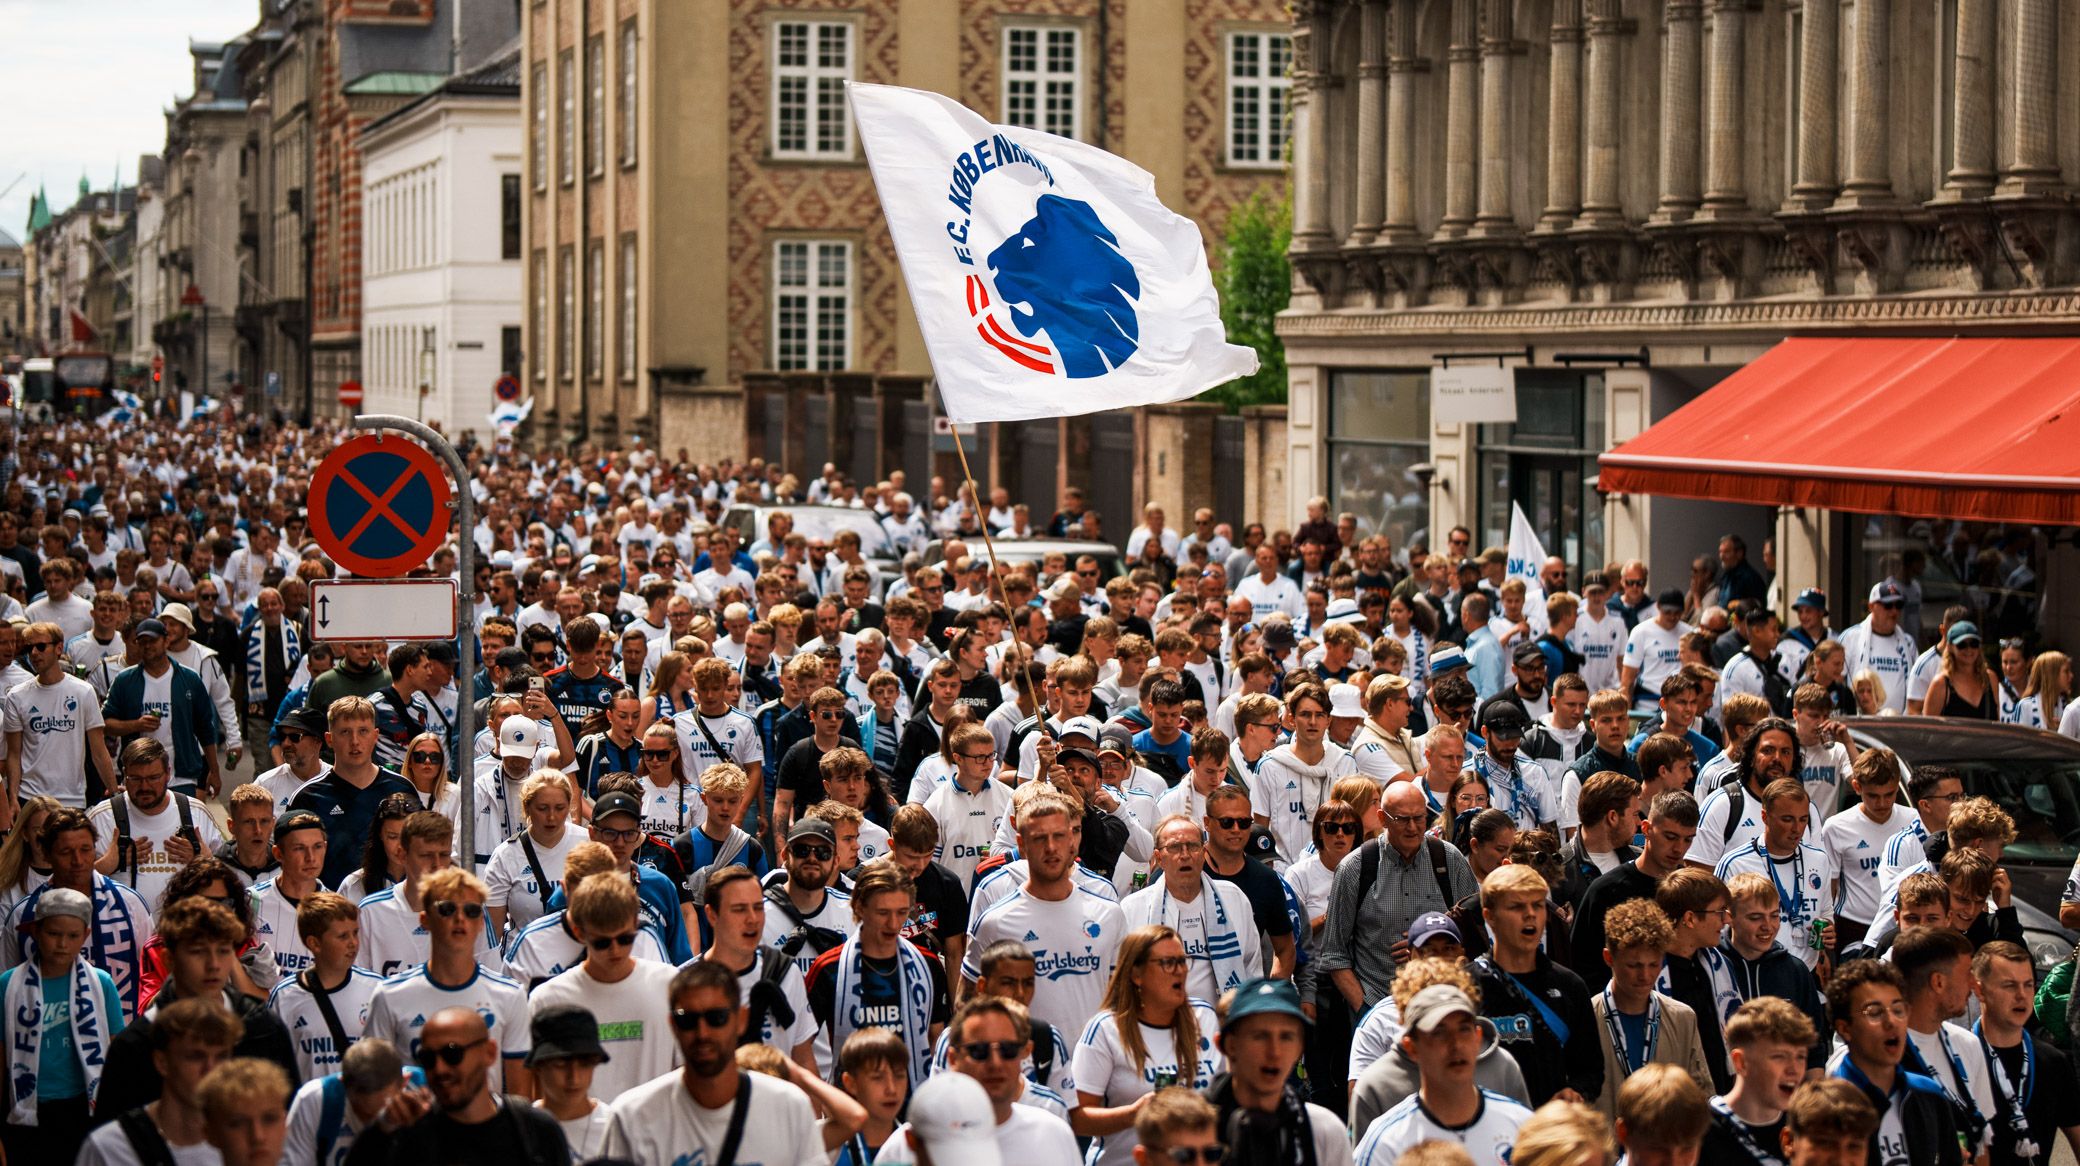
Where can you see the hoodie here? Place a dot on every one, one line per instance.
(1777, 972)
(1551, 1061)
(1387, 1081)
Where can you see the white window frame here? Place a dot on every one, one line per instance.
(567, 312)
(1274, 96)
(816, 79)
(595, 106)
(1043, 77)
(628, 92)
(595, 310)
(540, 346)
(814, 298)
(567, 117)
(628, 307)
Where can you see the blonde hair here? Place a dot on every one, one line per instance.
(1564, 1133)
(1427, 971)
(1751, 886)
(1661, 1105)
(725, 779)
(1513, 880)
(452, 884)
(241, 1080)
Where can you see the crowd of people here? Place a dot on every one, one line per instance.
(1265, 847)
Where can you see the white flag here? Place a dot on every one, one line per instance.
(1048, 278)
(1526, 556)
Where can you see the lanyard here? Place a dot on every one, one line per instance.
(2017, 1095)
(1515, 784)
(1744, 1135)
(1792, 902)
(1962, 1098)
(1618, 1042)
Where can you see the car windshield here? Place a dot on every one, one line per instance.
(819, 524)
(2042, 795)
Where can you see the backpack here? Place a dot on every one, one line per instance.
(126, 845)
(697, 882)
(1043, 1050)
(1368, 872)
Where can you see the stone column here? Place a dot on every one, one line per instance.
(1496, 139)
(1462, 101)
(1969, 169)
(1723, 194)
(1819, 45)
(1869, 180)
(1681, 45)
(1600, 190)
(1311, 102)
(1564, 119)
(1401, 124)
(2034, 168)
(1372, 101)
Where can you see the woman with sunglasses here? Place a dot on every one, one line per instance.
(426, 767)
(1131, 1047)
(671, 799)
(526, 869)
(253, 973)
(23, 864)
(382, 857)
(1337, 832)
(1965, 686)
(1364, 796)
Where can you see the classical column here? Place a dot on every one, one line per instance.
(1818, 48)
(2034, 168)
(1723, 194)
(1564, 119)
(1401, 124)
(1869, 180)
(1681, 43)
(1461, 105)
(1969, 169)
(1600, 188)
(1311, 212)
(1496, 139)
(1372, 101)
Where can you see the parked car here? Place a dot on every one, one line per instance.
(2032, 774)
(821, 523)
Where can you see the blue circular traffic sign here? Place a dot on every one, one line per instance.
(379, 506)
(507, 389)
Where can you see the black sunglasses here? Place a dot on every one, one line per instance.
(691, 1019)
(449, 1055)
(423, 757)
(657, 754)
(446, 908)
(1187, 1156)
(1005, 1050)
(603, 942)
(1233, 823)
(1339, 827)
(291, 738)
(813, 852)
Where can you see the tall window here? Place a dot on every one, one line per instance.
(537, 355)
(812, 60)
(567, 118)
(812, 304)
(509, 216)
(1259, 84)
(1379, 429)
(628, 92)
(627, 323)
(595, 105)
(1546, 462)
(566, 311)
(538, 126)
(1043, 79)
(595, 307)
(509, 351)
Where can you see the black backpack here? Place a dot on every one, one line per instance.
(126, 845)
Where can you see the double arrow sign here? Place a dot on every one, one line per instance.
(385, 609)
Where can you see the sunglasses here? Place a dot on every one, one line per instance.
(32, 645)
(449, 1055)
(1202, 1156)
(1005, 1050)
(812, 852)
(420, 757)
(1895, 605)
(691, 1019)
(294, 738)
(446, 909)
(603, 942)
(657, 754)
(1233, 823)
(1339, 827)
(548, 658)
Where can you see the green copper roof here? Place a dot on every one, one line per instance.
(39, 212)
(396, 84)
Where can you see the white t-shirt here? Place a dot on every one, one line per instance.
(1824, 770)
(1936, 1053)
(274, 924)
(544, 949)
(299, 1013)
(735, 732)
(1654, 650)
(1856, 847)
(1073, 941)
(658, 1124)
(510, 881)
(835, 913)
(635, 1021)
(873, 841)
(1105, 1070)
(671, 810)
(1803, 882)
(1487, 1138)
(792, 986)
(110, 1146)
(1602, 645)
(392, 941)
(306, 1112)
(586, 1136)
(1030, 1137)
(153, 867)
(1279, 595)
(1285, 791)
(1891, 657)
(400, 1008)
(54, 721)
(967, 824)
(282, 782)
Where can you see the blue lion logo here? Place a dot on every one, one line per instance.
(1062, 274)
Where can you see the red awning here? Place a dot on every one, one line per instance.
(1985, 429)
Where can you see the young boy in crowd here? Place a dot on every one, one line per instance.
(1176, 1125)
(1443, 1034)
(1763, 967)
(54, 1065)
(1823, 747)
(1830, 1123)
(846, 772)
(1009, 971)
(1662, 1115)
(330, 927)
(1855, 840)
(1768, 1040)
(566, 1051)
(1697, 973)
(1637, 1025)
(874, 1069)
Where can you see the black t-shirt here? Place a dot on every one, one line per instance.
(439, 1138)
(880, 991)
(2049, 1102)
(1621, 884)
(1729, 1141)
(1267, 897)
(801, 772)
(941, 911)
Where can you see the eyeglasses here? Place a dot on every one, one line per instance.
(657, 754)
(1166, 963)
(692, 1019)
(1881, 1011)
(1183, 846)
(990, 756)
(603, 942)
(1005, 1050)
(812, 852)
(449, 1055)
(609, 835)
(446, 909)
(1339, 827)
(1202, 1156)
(1405, 819)
(421, 757)
(1233, 823)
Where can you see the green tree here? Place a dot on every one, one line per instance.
(1255, 282)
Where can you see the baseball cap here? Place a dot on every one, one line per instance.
(1431, 924)
(1887, 591)
(296, 820)
(1963, 630)
(1505, 716)
(1116, 739)
(953, 1118)
(1811, 597)
(1526, 653)
(588, 563)
(1085, 727)
(63, 903)
(519, 736)
(1344, 701)
(805, 828)
(616, 803)
(1265, 998)
(1447, 659)
(564, 1030)
(1434, 1005)
(1081, 754)
(1669, 598)
(149, 627)
(180, 612)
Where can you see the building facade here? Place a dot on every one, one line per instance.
(441, 256)
(12, 285)
(200, 268)
(60, 262)
(1624, 202)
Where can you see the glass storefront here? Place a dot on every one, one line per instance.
(1995, 569)
(1546, 463)
(1379, 430)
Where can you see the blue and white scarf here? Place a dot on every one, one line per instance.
(24, 1021)
(1224, 947)
(256, 654)
(914, 978)
(116, 944)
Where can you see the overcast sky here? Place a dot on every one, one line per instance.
(86, 84)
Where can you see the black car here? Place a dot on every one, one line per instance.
(2032, 774)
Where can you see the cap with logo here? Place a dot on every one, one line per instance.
(1504, 716)
(616, 803)
(1434, 1005)
(1084, 727)
(1264, 998)
(815, 828)
(1886, 591)
(519, 736)
(1116, 739)
(953, 1118)
(1811, 597)
(1527, 653)
(1431, 924)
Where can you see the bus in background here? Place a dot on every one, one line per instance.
(72, 384)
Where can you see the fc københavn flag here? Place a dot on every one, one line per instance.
(1048, 279)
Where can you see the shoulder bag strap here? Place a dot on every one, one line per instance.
(700, 719)
(146, 1139)
(534, 864)
(1440, 869)
(325, 1007)
(126, 846)
(727, 1155)
(1368, 874)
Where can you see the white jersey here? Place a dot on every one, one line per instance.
(545, 949)
(1656, 652)
(54, 720)
(1856, 847)
(793, 987)
(282, 782)
(1520, 791)
(1713, 842)
(1267, 599)
(835, 913)
(401, 1005)
(300, 1013)
(1891, 657)
(306, 1115)
(1285, 791)
(1804, 882)
(735, 732)
(659, 1124)
(1487, 1139)
(635, 1022)
(1903, 851)
(274, 924)
(1602, 645)
(1073, 941)
(393, 942)
(669, 811)
(1104, 1069)
(148, 867)
(1924, 669)
(968, 824)
(1950, 1050)
(510, 881)
(1031, 1136)
(110, 1146)
(1824, 771)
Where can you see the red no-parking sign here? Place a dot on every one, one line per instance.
(379, 506)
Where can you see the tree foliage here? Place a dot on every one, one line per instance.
(1255, 282)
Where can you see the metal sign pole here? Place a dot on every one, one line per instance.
(464, 504)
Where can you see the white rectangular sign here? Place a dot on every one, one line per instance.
(383, 609)
(1472, 393)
